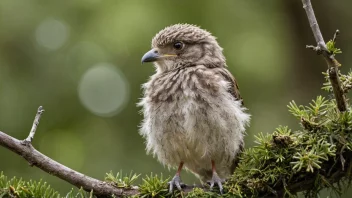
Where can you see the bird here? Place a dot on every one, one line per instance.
(193, 114)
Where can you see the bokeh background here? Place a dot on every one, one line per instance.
(80, 59)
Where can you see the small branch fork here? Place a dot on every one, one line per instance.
(35, 158)
(30, 137)
(104, 189)
(337, 32)
(25, 149)
(321, 48)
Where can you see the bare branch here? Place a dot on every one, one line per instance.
(103, 189)
(35, 158)
(314, 48)
(337, 32)
(314, 24)
(30, 137)
(328, 56)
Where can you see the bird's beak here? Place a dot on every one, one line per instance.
(154, 55)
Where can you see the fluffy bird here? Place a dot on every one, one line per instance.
(193, 112)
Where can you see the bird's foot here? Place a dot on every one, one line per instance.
(216, 180)
(176, 181)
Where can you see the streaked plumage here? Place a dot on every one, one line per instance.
(192, 107)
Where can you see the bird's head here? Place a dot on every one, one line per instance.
(184, 45)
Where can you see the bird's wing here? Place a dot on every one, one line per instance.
(235, 92)
(233, 89)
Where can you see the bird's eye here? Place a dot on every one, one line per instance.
(178, 45)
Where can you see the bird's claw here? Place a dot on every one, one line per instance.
(176, 181)
(216, 180)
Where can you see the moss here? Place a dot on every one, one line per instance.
(18, 188)
(154, 186)
(121, 181)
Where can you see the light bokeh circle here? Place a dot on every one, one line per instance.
(52, 34)
(103, 90)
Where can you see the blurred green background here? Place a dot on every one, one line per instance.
(80, 59)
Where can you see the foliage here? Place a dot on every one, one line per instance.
(331, 47)
(282, 163)
(153, 186)
(198, 192)
(346, 82)
(119, 181)
(80, 194)
(15, 187)
(286, 159)
(18, 188)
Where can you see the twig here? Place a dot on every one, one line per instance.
(104, 189)
(328, 56)
(50, 166)
(30, 137)
(35, 158)
(314, 48)
(337, 32)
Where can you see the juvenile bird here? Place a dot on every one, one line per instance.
(193, 112)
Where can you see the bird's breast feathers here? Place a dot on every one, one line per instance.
(190, 116)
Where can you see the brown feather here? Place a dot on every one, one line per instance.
(192, 106)
(233, 89)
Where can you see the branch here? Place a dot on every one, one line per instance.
(25, 149)
(321, 48)
(308, 183)
(35, 158)
(304, 181)
(34, 126)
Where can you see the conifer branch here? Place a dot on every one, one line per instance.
(282, 164)
(329, 57)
